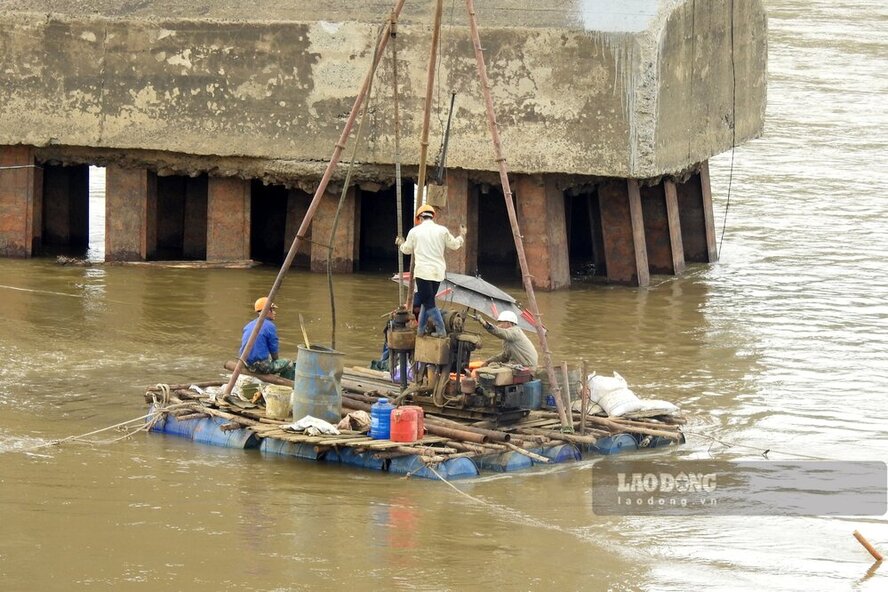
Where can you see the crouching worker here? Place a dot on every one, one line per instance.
(517, 347)
(263, 359)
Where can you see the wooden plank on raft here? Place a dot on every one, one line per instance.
(618, 427)
(369, 373)
(367, 385)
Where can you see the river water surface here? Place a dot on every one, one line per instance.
(782, 345)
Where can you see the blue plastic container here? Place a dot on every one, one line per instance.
(504, 462)
(170, 425)
(299, 450)
(455, 468)
(616, 443)
(208, 431)
(381, 419)
(560, 453)
(365, 460)
(533, 395)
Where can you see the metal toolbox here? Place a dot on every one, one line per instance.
(432, 350)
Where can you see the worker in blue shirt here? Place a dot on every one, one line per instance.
(263, 359)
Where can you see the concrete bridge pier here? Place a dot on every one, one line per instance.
(626, 228)
(346, 246)
(228, 219)
(662, 231)
(297, 205)
(541, 218)
(130, 214)
(151, 217)
(635, 231)
(622, 224)
(696, 216)
(461, 208)
(21, 202)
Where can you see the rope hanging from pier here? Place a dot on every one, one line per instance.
(20, 166)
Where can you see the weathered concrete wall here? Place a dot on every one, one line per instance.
(636, 88)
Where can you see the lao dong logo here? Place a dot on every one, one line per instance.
(682, 483)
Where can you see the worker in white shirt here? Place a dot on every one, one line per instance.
(427, 242)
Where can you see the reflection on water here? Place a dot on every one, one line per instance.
(781, 345)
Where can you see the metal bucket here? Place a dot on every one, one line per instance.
(317, 387)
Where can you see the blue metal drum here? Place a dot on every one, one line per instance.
(317, 387)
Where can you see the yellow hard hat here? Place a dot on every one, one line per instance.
(260, 304)
(425, 209)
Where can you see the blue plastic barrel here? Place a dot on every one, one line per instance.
(381, 419)
(209, 431)
(297, 449)
(616, 443)
(168, 424)
(365, 460)
(559, 453)
(504, 462)
(455, 468)
(317, 387)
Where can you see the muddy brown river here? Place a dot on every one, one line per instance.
(782, 345)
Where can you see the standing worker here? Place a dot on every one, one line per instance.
(263, 359)
(427, 242)
(517, 348)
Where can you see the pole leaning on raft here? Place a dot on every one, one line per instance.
(398, 198)
(513, 220)
(427, 111)
(424, 134)
(316, 200)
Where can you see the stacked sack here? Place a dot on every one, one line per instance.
(612, 395)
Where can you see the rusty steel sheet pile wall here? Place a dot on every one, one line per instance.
(626, 90)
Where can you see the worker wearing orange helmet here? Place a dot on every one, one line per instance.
(427, 242)
(263, 358)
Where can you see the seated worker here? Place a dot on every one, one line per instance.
(517, 348)
(263, 359)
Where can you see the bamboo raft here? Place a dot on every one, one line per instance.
(451, 448)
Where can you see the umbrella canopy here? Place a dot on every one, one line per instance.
(477, 294)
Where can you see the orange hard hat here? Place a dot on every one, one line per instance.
(425, 209)
(260, 304)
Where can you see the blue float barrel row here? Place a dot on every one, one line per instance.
(208, 431)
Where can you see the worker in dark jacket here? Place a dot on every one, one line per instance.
(517, 347)
(263, 358)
